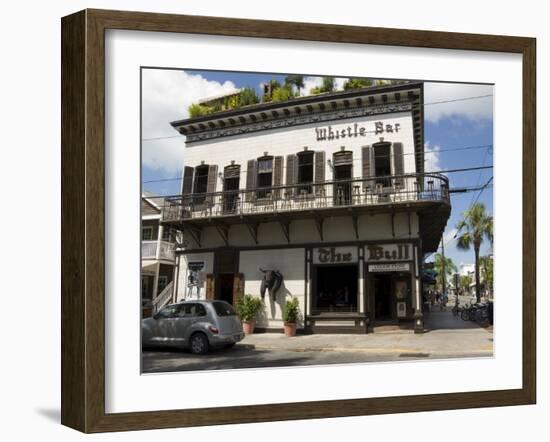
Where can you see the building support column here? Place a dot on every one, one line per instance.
(156, 282)
(361, 280)
(159, 240)
(418, 316)
(308, 294)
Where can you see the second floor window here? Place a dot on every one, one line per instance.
(305, 171)
(200, 184)
(382, 164)
(305, 167)
(201, 179)
(265, 176)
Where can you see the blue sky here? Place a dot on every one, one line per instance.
(450, 123)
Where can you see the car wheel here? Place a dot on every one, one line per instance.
(198, 344)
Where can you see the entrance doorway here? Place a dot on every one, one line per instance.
(383, 302)
(335, 289)
(224, 286)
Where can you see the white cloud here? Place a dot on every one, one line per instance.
(166, 96)
(473, 109)
(431, 155)
(340, 83)
(310, 83)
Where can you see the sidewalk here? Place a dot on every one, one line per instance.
(454, 337)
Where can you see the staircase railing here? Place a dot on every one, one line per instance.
(163, 297)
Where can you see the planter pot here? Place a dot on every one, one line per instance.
(290, 329)
(248, 327)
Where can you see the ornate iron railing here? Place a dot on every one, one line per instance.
(373, 191)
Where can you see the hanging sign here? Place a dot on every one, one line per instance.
(394, 267)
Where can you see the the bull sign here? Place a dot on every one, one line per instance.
(271, 281)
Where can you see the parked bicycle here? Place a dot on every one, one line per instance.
(476, 313)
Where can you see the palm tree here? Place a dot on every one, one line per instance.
(476, 225)
(486, 268)
(441, 262)
(465, 281)
(295, 80)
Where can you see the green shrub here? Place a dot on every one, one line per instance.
(356, 83)
(248, 96)
(196, 110)
(291, 310)
(282, 94)
(248, 307)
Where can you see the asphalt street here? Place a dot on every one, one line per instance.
(246, 356)
(449, 337)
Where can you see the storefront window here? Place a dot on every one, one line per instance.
(336, 289)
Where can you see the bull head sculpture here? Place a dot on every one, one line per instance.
(271, 281)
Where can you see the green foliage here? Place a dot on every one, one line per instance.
(476, 226)
(465, 281)
(357, 83)
(328, 85)
(450, 268)
(196, 110)
(296, 81)
(274, 85)
(248, 307)
(283, 93)
(291, 310)
(248, 96)
(486, 268)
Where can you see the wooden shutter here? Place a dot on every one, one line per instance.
(238, 287)
(291, 172)
(187, 180)
(251, 176)
(211, 183)
(210, 286)
(398, 162)
(366, 154)
(277, 175)
(319, 162)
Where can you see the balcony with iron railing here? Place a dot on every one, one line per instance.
(328, 197)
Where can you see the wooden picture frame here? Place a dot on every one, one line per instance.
(83, 220)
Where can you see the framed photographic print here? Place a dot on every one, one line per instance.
(269, 220)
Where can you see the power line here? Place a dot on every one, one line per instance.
(160, 138)
(481, 189)
(466, 169)
(453, 100)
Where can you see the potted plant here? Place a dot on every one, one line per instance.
(290, 316)
(247, 308)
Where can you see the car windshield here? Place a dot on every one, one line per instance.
(223, 309)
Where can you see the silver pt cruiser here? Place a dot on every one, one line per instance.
(195, 325)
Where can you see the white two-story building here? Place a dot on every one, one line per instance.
(329, 190)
